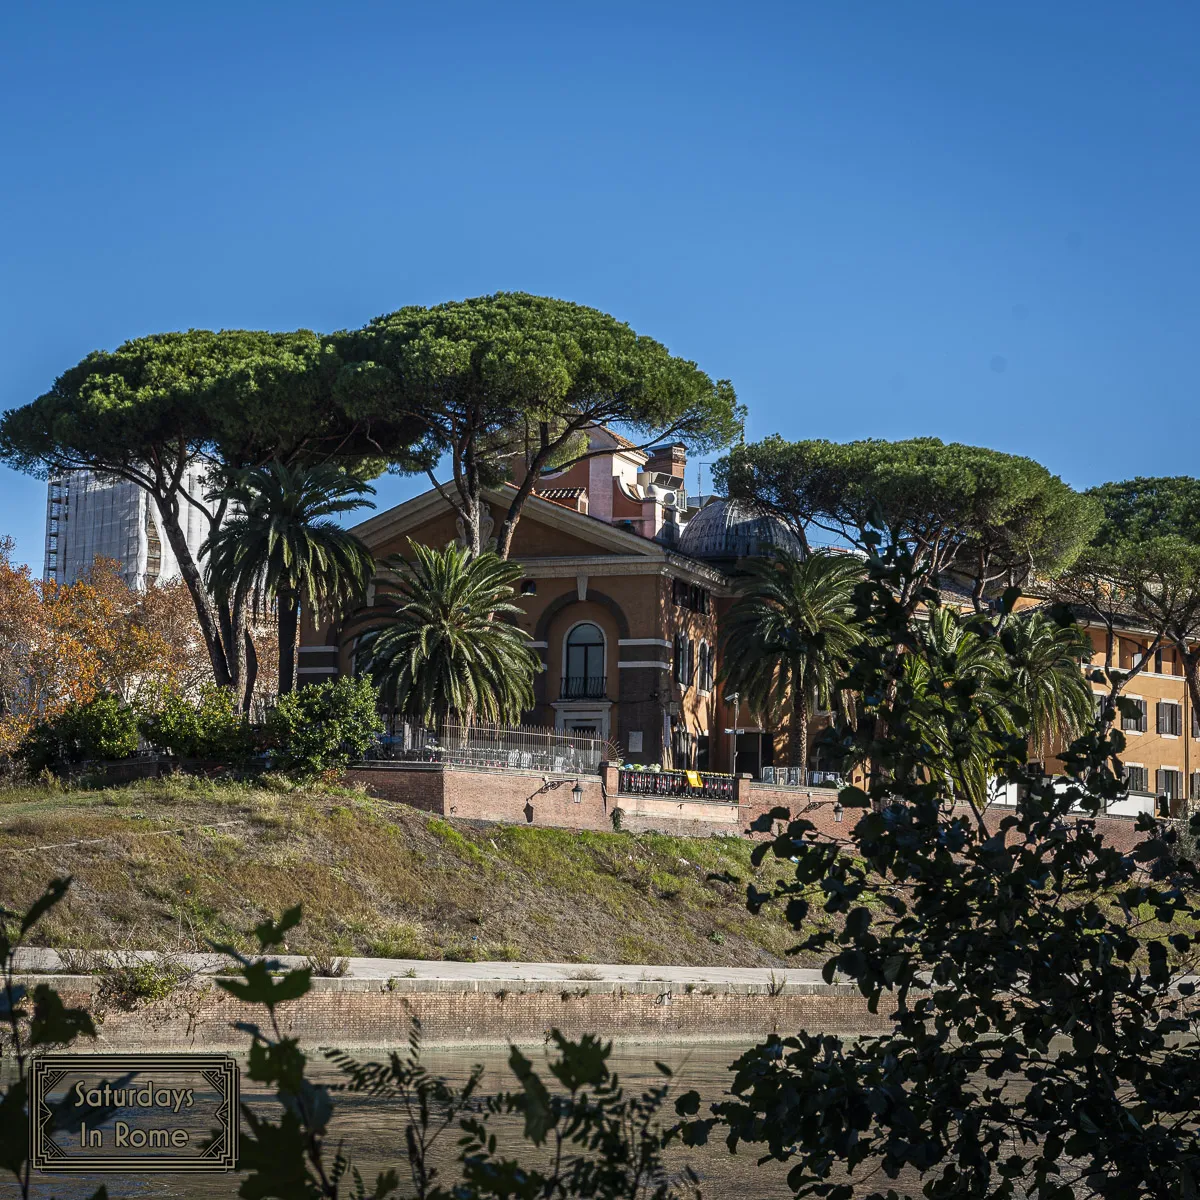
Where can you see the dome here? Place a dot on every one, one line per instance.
(731, 529)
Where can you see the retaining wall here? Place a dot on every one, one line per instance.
(526, 797)
(521, 797)
(370, 1014)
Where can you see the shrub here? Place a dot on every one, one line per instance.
(324, 725)
(210, 727)
(103, 728)
(127, 985)
(328, 966)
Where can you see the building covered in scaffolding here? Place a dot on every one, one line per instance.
(90, 515)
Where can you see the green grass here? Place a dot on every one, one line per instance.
(176, 863)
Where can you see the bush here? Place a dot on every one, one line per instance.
(103, 728)
(211, 727)
(324, 725)
(127, 985)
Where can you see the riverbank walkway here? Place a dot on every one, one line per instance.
(43, 961)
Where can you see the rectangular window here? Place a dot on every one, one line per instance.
(690, 596)
(1136, 777)
(1169, 783)
(1137, 722)
(1170, 718)
(1194, 788)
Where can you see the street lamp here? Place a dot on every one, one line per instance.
(838, 810)
(577, 792)
(733, 701)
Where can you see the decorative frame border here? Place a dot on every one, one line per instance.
(219, 1070)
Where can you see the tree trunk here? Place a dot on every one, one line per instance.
(251, 675)
(206, 617)
(472, 517)
(230, 639)
(289, 621)
(798, 756)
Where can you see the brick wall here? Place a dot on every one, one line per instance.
(355, 1014)
(514, 797)
(521, 797)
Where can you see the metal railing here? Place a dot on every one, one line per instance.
(676, 783)
(584, 687)
(494, 747)
(798, 777)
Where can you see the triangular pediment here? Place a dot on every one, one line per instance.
(546, 529)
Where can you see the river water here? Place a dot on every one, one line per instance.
(374, 1131)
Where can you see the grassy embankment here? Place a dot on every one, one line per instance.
(374, 878)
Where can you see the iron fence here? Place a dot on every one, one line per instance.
(676, 783)
(798, 777)
(496, 747)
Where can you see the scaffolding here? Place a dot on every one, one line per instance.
(90, 515)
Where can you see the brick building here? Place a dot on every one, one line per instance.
(625, 579)
(623, 585)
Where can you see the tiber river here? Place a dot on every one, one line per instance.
(374, 1131)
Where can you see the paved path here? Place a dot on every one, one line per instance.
(34, 959)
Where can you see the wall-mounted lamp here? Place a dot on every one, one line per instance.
(577, 792)
(837, 811)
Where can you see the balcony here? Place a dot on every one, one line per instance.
(584, 687)
(695, 785)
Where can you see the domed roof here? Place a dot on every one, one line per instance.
(730, 529)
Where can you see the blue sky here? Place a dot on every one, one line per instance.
(974, 221)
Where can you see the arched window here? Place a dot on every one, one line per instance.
(583, 663)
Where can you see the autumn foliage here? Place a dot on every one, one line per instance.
(68, 644)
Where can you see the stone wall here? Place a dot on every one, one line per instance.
(366, 1014)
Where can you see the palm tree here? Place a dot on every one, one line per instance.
(1026, 682)
(789, 637)
(947, 653)
(444, 647)
(282, 546)
(1045, 658)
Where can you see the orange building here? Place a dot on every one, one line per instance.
(623, 585)
(1162, 751)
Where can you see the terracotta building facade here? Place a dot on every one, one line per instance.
(625, 580)
(623, 586)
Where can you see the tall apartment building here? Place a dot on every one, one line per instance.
(90, 515)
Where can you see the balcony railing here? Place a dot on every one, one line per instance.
(797, 777)
(676, 783)
(498, 747)
(584, 687)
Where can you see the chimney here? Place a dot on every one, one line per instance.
(668, 460)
